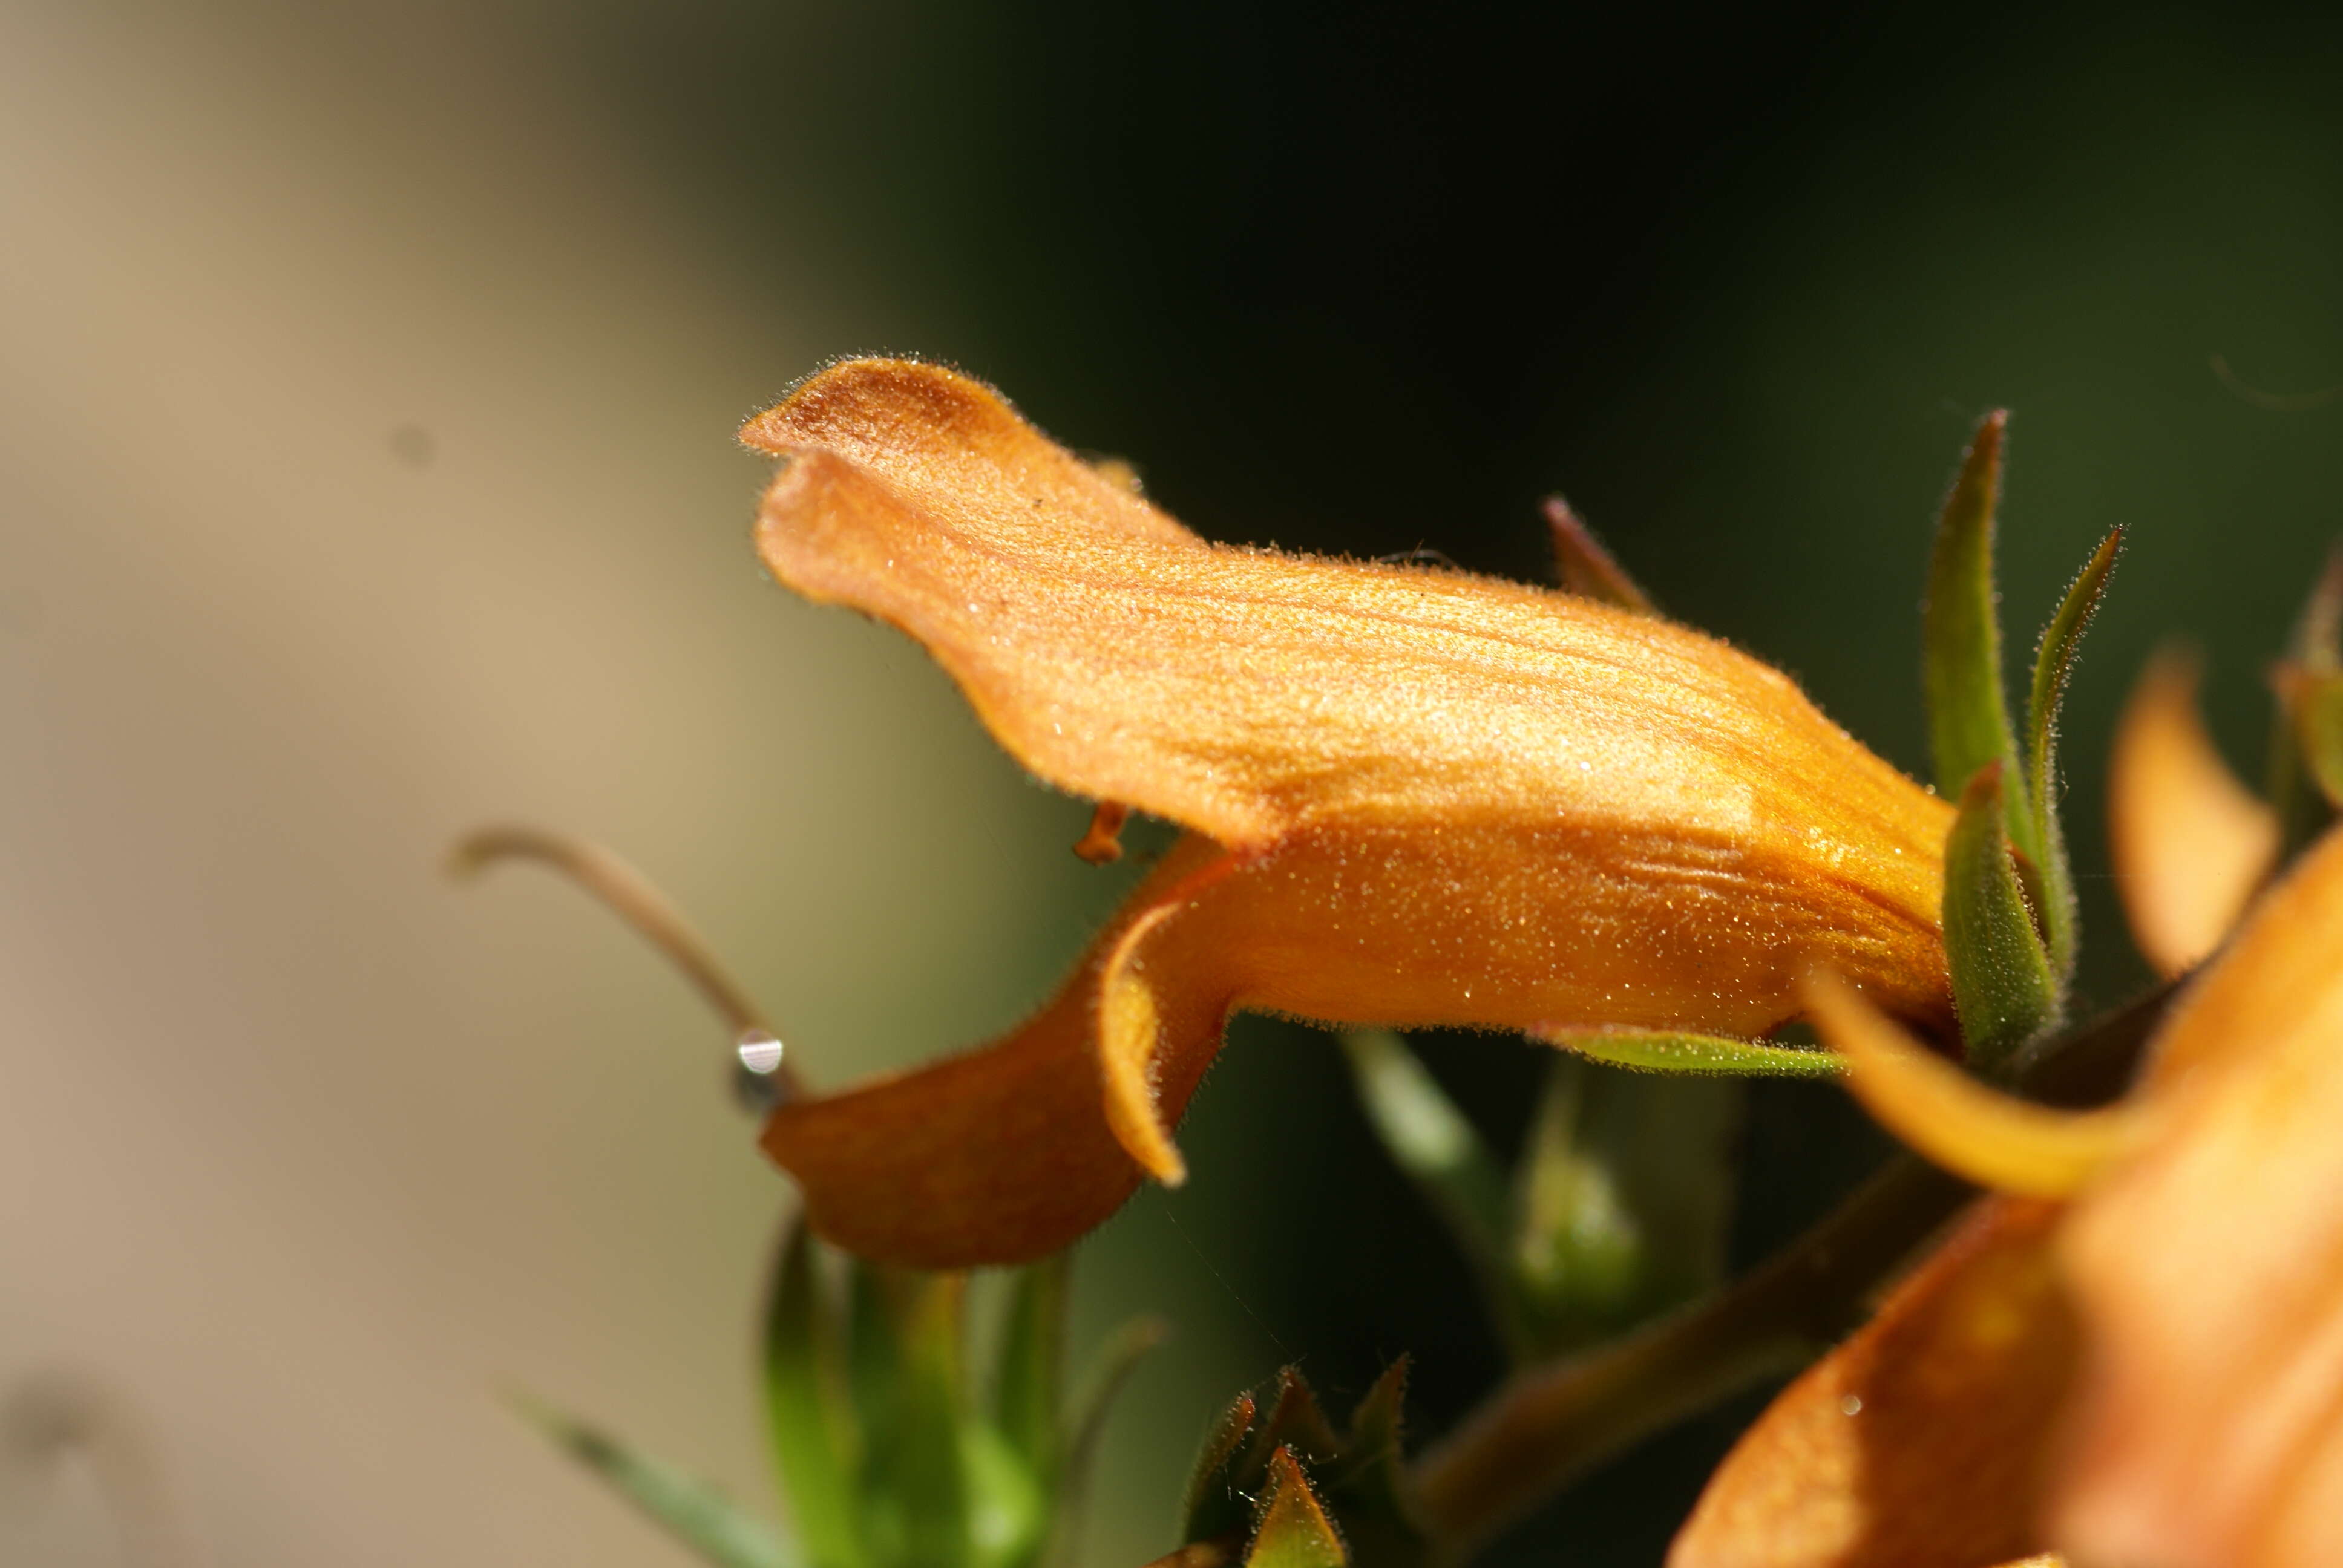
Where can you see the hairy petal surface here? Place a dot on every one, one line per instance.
(1917, 1443)
(2190, 842)
(1442, 798)
(2209, 1270)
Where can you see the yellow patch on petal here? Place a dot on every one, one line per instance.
(2190, 843)
(1993, 1139)
(1131, 1028)
(1920, 1442)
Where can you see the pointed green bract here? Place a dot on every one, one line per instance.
(1673, 1051)
(1367, 1488)
(810, 1419)
(1208, 1508)
(1585, 568)
(1969, 723)
(712, 1525)
(1295, 1419)
(2052, 663)
(1288, 1482)
(2002, 983)
(1291, 1530)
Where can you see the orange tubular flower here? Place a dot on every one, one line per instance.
(1413, 796)
(2201, 1262)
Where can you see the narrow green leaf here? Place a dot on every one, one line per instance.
(1086, 1424)
(1675, 1051)
(1208, 1508)
(1366, 1487)
(809, 1417)
(914, 1481)
(2053, 660)
(1029, 1387)
(2002, 983)
(694, 1513)
(1291, 1530)
(1431, 1141)
(1968, 722)
(1584, 566)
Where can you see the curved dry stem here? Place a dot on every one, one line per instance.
(631, 896)
(1547, 1425)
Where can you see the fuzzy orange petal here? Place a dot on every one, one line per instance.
(1247, 694)
(1974, 1131)
(1455, 800)
(2190, 842)
(1918, 1443)
(2209, 1270)
(1009, 1151)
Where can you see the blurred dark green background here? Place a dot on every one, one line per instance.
(1353, 280)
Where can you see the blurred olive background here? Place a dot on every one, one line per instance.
(367, 380)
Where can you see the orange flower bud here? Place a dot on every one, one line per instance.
(1415, 797)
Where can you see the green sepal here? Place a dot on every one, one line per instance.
(1366, 1487)
(1295, 1421)
(1291, 1530)
(1968, 722)
(1711, 1055)
(1027, 1391)
(906, 1350)
(2053, 661)
(714, 1527)
(1359, 1494)
(1208, 1508)
(810, 1416)
(1438, 1149)
(2002, 983)
(1243, 1438)
(1622, 1197)
(1085, 1424)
